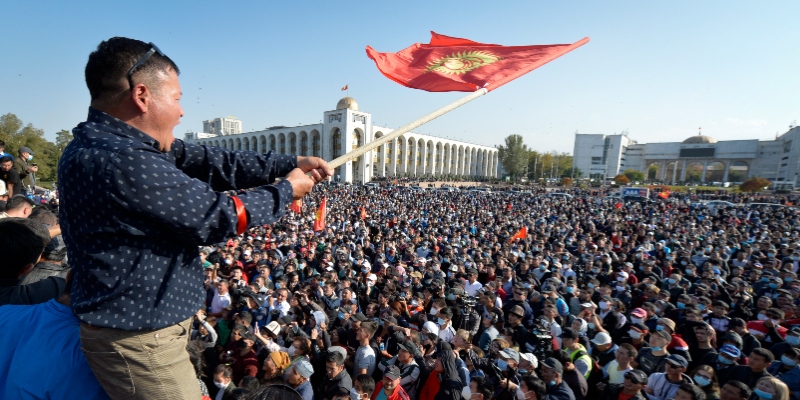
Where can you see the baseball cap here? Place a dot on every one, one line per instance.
(529, 357)
(601, 338)
(636, 376)
(392, 372)
(304, 368)
(411, 348)
(510, 354)
(568, 333)
(431, 327)
(553, 364)
(24, 149)
(678, 360)
(360, 317)
(639, 313)
(664, 334)
(730, 350)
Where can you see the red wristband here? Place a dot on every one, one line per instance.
(241, 213)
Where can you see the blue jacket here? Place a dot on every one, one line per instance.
(790, 378)
(41, 355)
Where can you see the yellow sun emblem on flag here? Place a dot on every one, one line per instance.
(462, 62)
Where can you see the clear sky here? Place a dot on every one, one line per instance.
(659, 70)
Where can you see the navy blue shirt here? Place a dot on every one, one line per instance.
(132, 218)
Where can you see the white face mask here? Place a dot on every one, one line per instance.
(290, 351)
(434, 311)
(634, 334)
(220, 385)
(354, 394)
(466, 392)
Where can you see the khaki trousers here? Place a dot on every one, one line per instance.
(142, 364)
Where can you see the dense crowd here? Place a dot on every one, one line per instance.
(443, 295)
(428, 295)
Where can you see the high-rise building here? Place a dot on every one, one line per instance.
(223, 126)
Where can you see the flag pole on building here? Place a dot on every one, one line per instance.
(448, 64)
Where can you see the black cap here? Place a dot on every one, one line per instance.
(411, 348)
(636, 376)
(568, 333)
(553, 364)
(360, 317)
(285, 320)
(392, 372)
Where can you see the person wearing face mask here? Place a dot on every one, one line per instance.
(363, 386)
(552, 371)
(243, 359)
(223, 382)
(652, 359)
(25, 170)
(635, 335)
(446, 330)
(770, 388)
(787, 369)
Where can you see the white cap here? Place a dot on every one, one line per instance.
(529, 357)
(601, 338)
(372, 277)
(431, 327)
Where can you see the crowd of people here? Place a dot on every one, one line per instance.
(409, 295)
(436, 295)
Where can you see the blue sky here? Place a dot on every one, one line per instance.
(659, 70)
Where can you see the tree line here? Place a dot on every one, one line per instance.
(15, 133)
(520, 161)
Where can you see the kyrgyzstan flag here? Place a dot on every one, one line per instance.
(319, 217)
(363, 213)
(449, 64)
(522, 234)
(297, 206)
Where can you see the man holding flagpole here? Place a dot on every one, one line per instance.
(154, 199)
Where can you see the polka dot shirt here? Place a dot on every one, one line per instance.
(133, 217)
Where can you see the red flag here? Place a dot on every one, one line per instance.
(664, 194)
(448, 64)
(297, 206)
(363, 213)
(618, 205)
(522, 234)
(319, 218)
(344, 88)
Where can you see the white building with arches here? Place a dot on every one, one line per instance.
(347, 128)
(700, 158)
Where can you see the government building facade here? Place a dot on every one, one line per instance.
(698, 159)
(347, 128)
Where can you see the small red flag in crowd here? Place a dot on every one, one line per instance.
(522, 234)
(618, 205)
(297, 206)
(344, 88)
(363, 213)
(319, 218)
(448, 64)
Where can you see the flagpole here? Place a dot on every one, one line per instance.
(406, 128)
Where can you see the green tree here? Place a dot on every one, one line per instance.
(63, 137)
(754, 184)
(514, 155)
(634, 175)
(16, 134)
(568, 172)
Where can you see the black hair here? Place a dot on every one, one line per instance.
(335, 357)
(250, 383)
(768, 356)
(367, 383)
(44, 216)
(696, 392)
(223, 369)
(276, 392)
(535, 384)
(5, 159)
(107, 68)
(18, 201)
(20, 245)
(744, 390)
